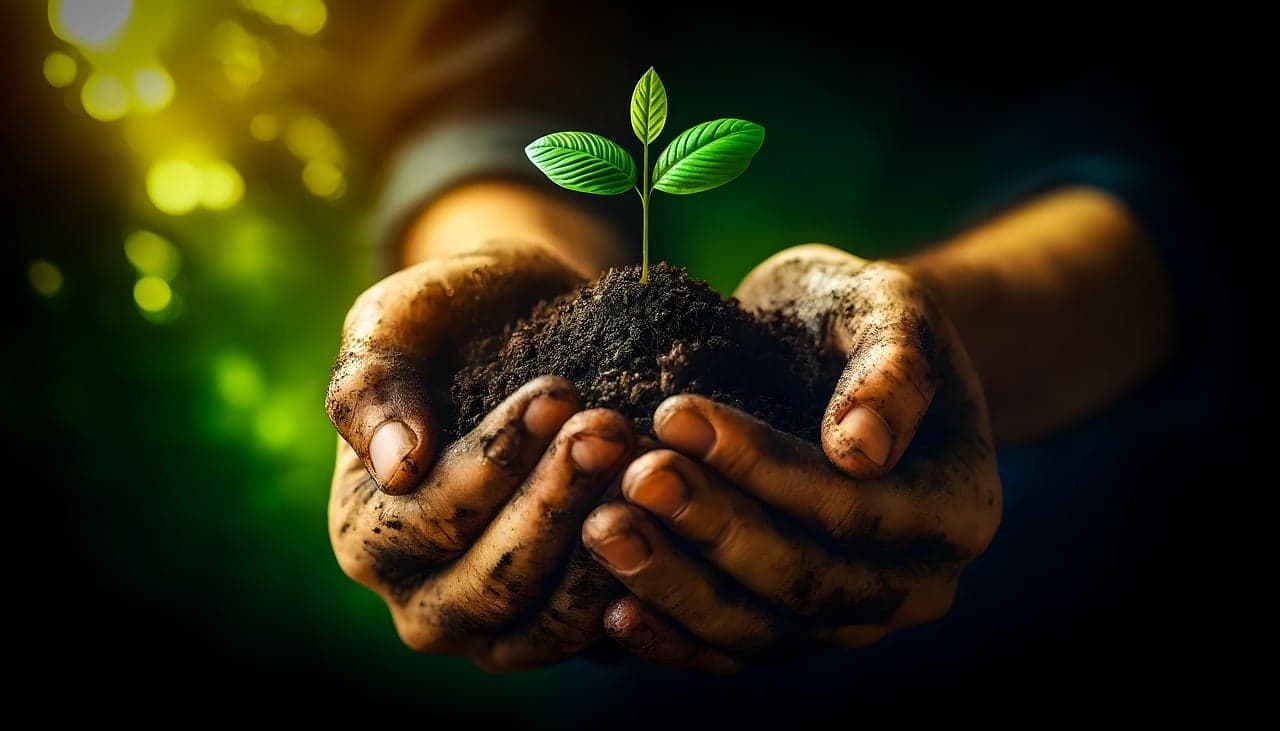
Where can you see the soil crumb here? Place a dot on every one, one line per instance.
(628, 346)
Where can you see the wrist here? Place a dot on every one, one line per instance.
(476, 215)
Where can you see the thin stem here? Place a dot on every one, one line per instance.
(644, 207)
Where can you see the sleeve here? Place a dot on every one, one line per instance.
(483, 79)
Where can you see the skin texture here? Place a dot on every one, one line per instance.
(792, 547)
(473, 545)
(739, 544)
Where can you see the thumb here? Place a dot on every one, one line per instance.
(881, 397)
(377, 396)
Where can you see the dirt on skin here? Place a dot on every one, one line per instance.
(628, 346)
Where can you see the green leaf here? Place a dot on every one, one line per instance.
(707, 156)
(585, 162)
(649, 107)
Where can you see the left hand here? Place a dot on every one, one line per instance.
(786, 548)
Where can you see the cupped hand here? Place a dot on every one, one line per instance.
(740, 543)
(474, 551)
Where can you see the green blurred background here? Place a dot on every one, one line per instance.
(188, 183)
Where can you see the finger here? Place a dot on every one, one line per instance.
(570, 621)
(890, 378)
(851, 637)
(942, 504)
(512, 561)
(784, 471)
(634, 549)
(377, 396)
(649, 636)
(734, 533)
(392, 540)
(475, 475)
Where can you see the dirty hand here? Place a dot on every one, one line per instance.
(785, 546)
(468, 551)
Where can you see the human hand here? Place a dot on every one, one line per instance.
(469, 552)
(785, 546)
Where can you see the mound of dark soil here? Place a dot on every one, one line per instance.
(628, 346)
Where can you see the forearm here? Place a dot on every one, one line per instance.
(484, 212)
(1062, 305)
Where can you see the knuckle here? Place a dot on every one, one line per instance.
(369, 303)
(724, 533)
(502, 447)
(845, 516)
(738, 458)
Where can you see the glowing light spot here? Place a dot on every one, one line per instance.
(152, 255)
(153, 88)
(94, 23)
(245, 250)
(275, 425)
(152, 294)
(264, 127)
(311, 139)
(46, 278)
(240, 53)
(306, 17)
(59, 69)
(324, 179)
(238, 379)
(175, 186)
(104, 97)
(222, 186)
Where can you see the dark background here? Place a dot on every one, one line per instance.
(171, 468)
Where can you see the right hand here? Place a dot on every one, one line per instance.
(465, 550)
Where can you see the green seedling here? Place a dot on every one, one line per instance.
(703, 157)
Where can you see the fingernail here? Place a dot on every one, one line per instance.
(661, 492)
(391, 443)
(689, 432)
(865, 429)
(545, 414)
(624, 551)
(591, 453)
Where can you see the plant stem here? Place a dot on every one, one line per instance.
(644, 206)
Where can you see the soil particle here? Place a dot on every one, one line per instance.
(628, 346)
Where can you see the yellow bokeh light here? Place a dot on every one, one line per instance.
(311, 139)
(306, 17)
(175, 185)
(152, 255)
(264, 127)
(240, 53)
(153, 87)
(152, 294)
(45, 277)
(60, 69)
(94, 23)
(104, 97)
(238, 379)
(222, 186)
(324, 179)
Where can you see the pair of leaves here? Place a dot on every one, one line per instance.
(703, 157)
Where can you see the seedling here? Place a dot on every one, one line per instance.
(703, 157)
